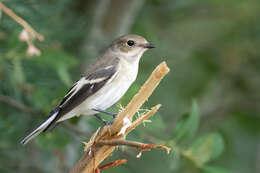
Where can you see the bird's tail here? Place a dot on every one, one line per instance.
(41, 128)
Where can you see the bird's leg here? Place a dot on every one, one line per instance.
(103, 120)
(105, 112)
(106, 123)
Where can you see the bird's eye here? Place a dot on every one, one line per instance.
(130, 42)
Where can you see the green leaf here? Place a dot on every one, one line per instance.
(211, 169)
(188, 124)
(206, 148)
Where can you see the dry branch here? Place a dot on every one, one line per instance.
(137, 145)
(22, 22)
(114, 163)
(100, 147)
(27, 34)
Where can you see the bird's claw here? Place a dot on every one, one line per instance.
(106, 123)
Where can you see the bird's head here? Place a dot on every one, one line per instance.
(130, 46)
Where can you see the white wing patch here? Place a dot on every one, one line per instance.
(108, 67)
(83, 81)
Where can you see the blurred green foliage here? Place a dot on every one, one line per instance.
(211, 47)
(188, 124)
(202, 150)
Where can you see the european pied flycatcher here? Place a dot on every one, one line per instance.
(103, 84)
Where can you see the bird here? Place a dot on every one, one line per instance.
(101, 86)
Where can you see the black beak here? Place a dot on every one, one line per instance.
(149, 46)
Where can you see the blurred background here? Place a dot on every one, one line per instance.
(211, 101)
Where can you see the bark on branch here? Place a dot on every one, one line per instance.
(137, 145)
(101, 146)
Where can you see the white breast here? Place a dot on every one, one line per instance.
(110, 93)
(114, 89)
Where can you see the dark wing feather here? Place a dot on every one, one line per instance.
(75, 96)
(84, 92)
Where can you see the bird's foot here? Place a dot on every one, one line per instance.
(106, 123)
(105, 112)
(102, 128)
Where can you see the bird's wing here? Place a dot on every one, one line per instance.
(85, 87)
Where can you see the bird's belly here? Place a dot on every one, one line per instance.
(106, 97)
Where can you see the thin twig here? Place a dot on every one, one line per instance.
(143, 118)
(18, 106)
(32, 111)
(112, 164)
(138, 145)
(22, 22)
